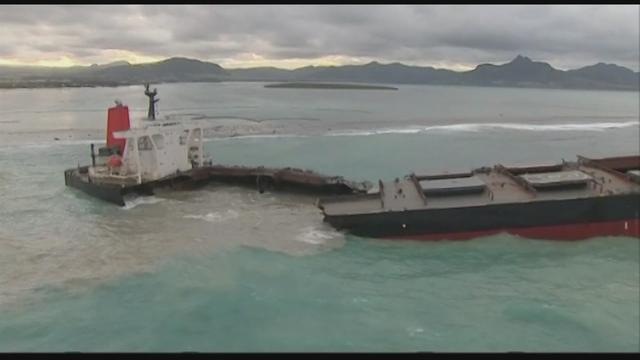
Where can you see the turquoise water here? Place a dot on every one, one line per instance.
(498, 294)
(228, 269)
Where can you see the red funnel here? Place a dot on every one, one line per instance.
(117, 120)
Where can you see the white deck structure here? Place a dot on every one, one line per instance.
(156, 150)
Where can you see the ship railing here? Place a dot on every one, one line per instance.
(454, 175)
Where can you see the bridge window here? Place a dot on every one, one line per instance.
(196, 134)
(183, 137)
(144, 143)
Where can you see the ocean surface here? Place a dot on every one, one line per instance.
(225, 268)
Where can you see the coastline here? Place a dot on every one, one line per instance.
(21, 85)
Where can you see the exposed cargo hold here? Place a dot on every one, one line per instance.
(569, 200)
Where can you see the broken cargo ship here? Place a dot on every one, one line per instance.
(153, 154)
(564, 201)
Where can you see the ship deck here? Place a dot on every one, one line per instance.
(96, 181)
(499, 185)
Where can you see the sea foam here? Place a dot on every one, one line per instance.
(479, 127)
(215, 217)
(315, 236)
(132, 201)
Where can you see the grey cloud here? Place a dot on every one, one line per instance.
(570, 35)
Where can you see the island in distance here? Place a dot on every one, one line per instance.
(320, 85)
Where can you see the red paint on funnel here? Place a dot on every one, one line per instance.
(117, 120)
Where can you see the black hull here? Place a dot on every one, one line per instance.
(546, 216)
(107, 192)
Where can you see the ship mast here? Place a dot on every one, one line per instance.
(151, 115)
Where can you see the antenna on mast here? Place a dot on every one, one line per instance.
(151, 115)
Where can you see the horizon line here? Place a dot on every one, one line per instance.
(301, 67)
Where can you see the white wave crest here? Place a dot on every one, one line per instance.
(255, 136)
(478, 127)
(216, 217)
(315, 236)
(131, 201)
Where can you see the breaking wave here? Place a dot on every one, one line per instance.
(315, 236)
(452, 128)
(478, 127)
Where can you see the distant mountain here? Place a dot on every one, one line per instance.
(604, 75)
(523, 72)
(116, 73)
(170, 70)
(389, 73)
(373, 72)
(520, 72)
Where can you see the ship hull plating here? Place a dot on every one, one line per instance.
(107, 192)
(571, 219)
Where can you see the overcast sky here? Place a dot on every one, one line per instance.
(456, 37)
